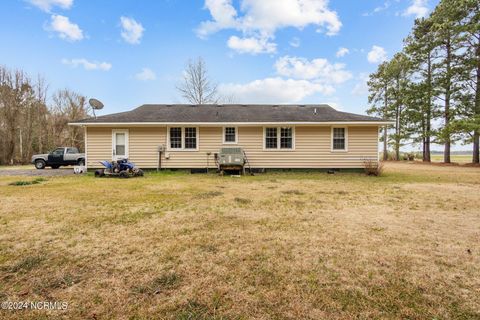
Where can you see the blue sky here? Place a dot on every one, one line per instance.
(127, 53)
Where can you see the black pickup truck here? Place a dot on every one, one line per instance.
(64, 156)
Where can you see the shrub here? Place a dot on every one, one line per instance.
(373, 167)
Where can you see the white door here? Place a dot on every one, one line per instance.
(119, 144)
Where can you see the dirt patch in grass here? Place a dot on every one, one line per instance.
(177, 246)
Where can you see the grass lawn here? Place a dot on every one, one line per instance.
(272, 246)
(458, 158)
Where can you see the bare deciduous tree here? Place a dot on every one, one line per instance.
(28, 124)
(68, 106)
(196, 87)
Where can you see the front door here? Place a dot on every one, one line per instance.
(119, 144)
(56, 157)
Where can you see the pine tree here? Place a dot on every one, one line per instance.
(388, 87)
(379, 85)
(447, 76)
(420, 47)
(469, 25)
(399, 70)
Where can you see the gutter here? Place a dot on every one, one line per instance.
(222, 124)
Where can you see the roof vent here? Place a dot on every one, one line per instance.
(315, 111)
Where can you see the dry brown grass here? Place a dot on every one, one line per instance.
(280, 245)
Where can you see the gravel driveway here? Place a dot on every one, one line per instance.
(34, 172)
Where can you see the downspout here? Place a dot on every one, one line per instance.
(86, 147)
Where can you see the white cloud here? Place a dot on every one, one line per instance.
(418, 8)
(146, 75)
(47, 5)
(87, 65)
(251, 45)
(274, 90)
(66, 30)
(261, 19)
(377, 55)
(342, 52)
(132, 31)
(361, 87)
(384, 7)
(295, 42)
(319, 69)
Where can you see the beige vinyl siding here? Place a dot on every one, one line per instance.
(312, 147)
(143, 144)
(98, 146)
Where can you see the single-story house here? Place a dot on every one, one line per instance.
(273, 136)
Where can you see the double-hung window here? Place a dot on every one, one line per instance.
(286, 138)
(279, 138)
(176, 138)
(339, 139)
(190, 138)
(230, 135)
(183, 138)
(271, 138)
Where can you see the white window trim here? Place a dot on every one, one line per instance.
(183, 139)
(127, 139)
(278, 139)
(346, 140)
(236, 135)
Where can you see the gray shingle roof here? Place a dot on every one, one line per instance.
(164, 113)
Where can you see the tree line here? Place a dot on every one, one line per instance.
(431, 88)
(31, 121)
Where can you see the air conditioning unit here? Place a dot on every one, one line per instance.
(231, 157)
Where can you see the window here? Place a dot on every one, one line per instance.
(183, 138)
(120, 143)
(190, 138)
(72, 150)
(339, 139)
(230, 135)
(176, 138)
(58, 152)
(279, 138)
(271, 138)
(286, 138)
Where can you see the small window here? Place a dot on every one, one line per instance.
(338, 139)
(72, 150)
(271, 138)
(176, 138)
(286, 138)
(58, 152)
(190, 138)
(230, 135)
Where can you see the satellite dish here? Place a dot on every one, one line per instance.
(96, 105)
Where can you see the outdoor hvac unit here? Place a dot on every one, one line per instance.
(231, 158)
